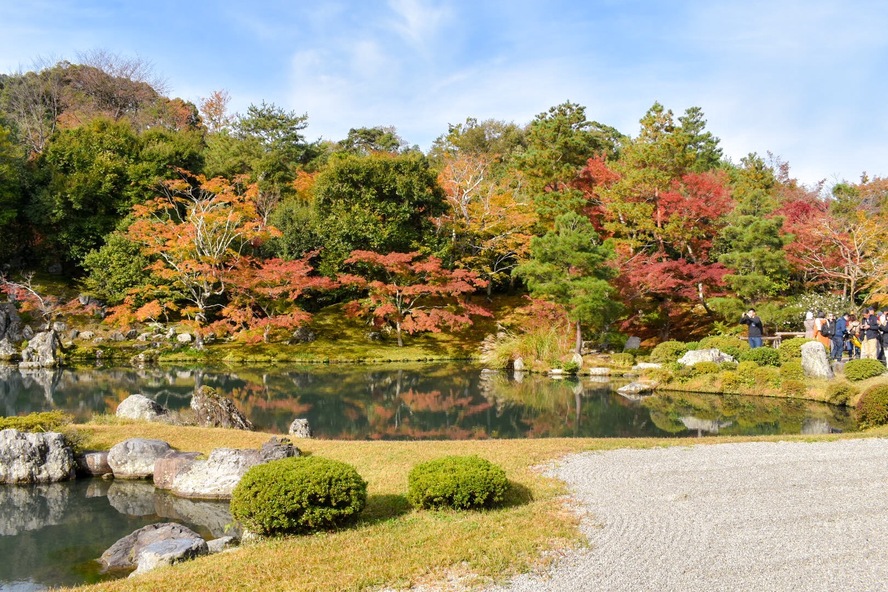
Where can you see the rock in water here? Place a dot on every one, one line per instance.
(135, 458)
(27, 457)
(215, 411)
(141, 407)
(125, 553)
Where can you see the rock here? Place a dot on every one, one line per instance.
(73, 334)
(131, 334)
(8, 351)
(124, 554)
(59, 326)
(167, 467)
(145, 337)
(169, 552)
(133, 498)
(632, 343)
(87, 335)
(647, 365)
(710, 426)
(704, 355)
(27, 332)
(42, 351)
(814, 360)
(184, 338)
(637, 388)
(10, 323)
(577, 359)
(213, 515)
(135, 458)
(278, 448)
(116, 336)
(141, 407)
(27, 457)
(223, 543)
(518, 365)
(216, 477)
(599, 371)
(93, 464)
(214, 410)
(300, 428)
(303, 335)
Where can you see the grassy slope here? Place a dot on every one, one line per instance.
(393, 545)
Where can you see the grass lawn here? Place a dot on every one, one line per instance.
(393, 545)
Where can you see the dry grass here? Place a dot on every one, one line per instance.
(393, 545)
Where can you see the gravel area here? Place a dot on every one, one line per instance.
(751, 516)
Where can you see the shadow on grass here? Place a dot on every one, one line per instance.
(380, 508)
(516, 495)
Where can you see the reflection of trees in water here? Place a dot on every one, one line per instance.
(679, 413)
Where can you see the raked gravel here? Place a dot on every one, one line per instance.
(758, 516)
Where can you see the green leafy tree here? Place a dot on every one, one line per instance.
(752, 248)
(569, 266)
(364, 140)
(115, 268)
(11, 190)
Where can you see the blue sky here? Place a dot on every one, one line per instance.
(803, 79)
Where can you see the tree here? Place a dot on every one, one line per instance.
(12, 188)
(411, 293)
(115, 269)
(569, 266)
(752, 247)
(379, 202)
(214, 111)
(364, 140)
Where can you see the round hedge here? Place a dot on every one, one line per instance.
(791, 349)
(872, 408)
(862, 369)
(839, 392)
(792, 370)
(458, 482)
(668, 351)
(763, 356)
(298, 494)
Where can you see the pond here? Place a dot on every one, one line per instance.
(56, 532)
(415, 402)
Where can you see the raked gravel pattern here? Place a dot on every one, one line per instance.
(759, 516)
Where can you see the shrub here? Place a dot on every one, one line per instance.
(793, 388)
(791, 349)
(458, 482)
(669, 351)
(725, 343)
(692, 345)
(298, 494)
(46, 421)
(767, 376)
(701, 368)
(732, 381)
(622, 360)
(839, 392)
(792, 370)
(570, 367)
(747, 367)
(659, 375)
(856, 370)
(872, 408)
(763, 356)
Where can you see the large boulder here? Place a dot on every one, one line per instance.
(167, 467)
(35, 457)
(42, 351)
(93, 463)
(169, 552)
(705, 355)
(814, 360)
(10, 323)
(215, 411)
(141, 407)
(125, 553)
(216, 477)
(135, 458)
(633, 343)
(8, 351)
(300, 428)
(278, 448)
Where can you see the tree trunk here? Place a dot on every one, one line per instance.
(398, 331)
(579, 343)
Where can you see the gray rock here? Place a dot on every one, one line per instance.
(87, 335)
(216, 411)
(577, 359)
(303, 335)
(42, 351)
(27, 332)
(598, 371)
(169, 552)
(116, 336)
(140, 407)
(8, 351)
(300, 428)
(632, 343)
(124, 554)
(93, 463)
(60, 326)
(222, 544)
(637, 388)
(216, 477)
(814, 360)
(167, 467)
(278, 448)
(704, 355)
(133, 498)
(647, 365)
(518, 365)
(28, 457)
(184, 338)
(10, 323)
(135, 458)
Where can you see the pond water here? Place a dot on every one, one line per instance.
(432, 401)
(55, 532)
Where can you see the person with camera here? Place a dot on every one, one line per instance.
(756, 328)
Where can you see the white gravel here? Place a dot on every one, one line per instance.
(752, 516)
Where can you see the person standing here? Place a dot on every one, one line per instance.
(838, 339)
(828, 331)
(819, 322)
(853, 337)
(869, 329)
(755, 327)
(809, 325)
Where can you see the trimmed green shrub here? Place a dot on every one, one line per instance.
(791, 349)
(701, 368)
(732, 381)
(792, 370)
(793, 388)
(622, 360)
(747, 367)
(659, 375)
(872, 408)
(297, 495)
(763, 356)
(669, 351)
(570, 367)
(856, 370)
(46, 421)
(458, 482)
(767, 376)
(839, 392)
(692, 345)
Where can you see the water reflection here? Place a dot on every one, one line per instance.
(447, 401)
(56, 532)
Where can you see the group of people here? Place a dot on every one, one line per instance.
(866, 337)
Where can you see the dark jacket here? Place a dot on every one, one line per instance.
(828, 329)
(755, 325)
(869, 327)
(841, 327)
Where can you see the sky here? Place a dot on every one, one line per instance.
(803, 80)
